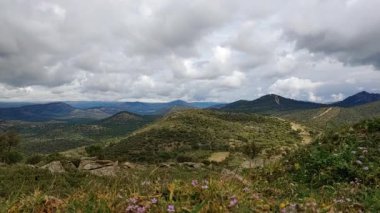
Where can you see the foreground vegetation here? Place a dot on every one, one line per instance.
(339, 171)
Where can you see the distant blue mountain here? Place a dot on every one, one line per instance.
(50, 111)
(358, 99)
(272, 104)
(142, 108)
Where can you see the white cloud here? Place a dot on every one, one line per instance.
(295, 87)
(194, 50)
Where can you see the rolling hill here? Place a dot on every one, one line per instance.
(142, 108)
(193, 134)
(335, 115)
(50, 111)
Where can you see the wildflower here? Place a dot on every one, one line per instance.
(204, 187)
(359, 162)
(361, 157)
(194, 183)
(365, 151)
(133, 200)
(154, 200)
(366, 168)
(141, 209)
(353, 152)
(171, 208)
(233, 201)
(131, 208)
(246, 189)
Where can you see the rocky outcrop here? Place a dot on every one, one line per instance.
(99, 167)
(54, 167)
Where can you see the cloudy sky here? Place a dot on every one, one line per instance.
(195, 50)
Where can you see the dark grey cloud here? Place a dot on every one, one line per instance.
(194, 50)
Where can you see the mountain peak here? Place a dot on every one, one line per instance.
(360, 98)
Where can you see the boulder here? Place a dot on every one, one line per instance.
(105, 171)
(54, 167)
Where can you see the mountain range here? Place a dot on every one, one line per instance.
(275, 104)
(268, 104)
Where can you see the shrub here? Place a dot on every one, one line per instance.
(34, 159)
(12, 157)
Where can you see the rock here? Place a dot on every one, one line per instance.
(105, 171)
(94, 164)
(54, 167)
(129, 165)
(68, 165)
(167, 165)
(99, 167)
(192, 165)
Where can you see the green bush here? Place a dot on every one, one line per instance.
(95, 151)
(34, 159)
(12, 157)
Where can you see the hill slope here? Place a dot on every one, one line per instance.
(335, 115)
(191, 131)
(358, 99)
(270, 104)
(50, 111)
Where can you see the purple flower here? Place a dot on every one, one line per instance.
(194, 183)
(154, 200)
(233, 201)
(171, 208)
(133, 200)
(131, 208)
(141, 209)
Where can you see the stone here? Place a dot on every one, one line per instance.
(105, 171)
(100, 167)
(54, 167)
(94, 164)
(129, 165)
(192, 165)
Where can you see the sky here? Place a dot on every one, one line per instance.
(194, 50)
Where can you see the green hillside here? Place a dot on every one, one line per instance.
(328, 116)
(49, 137)
(270, 104)
(201, 131)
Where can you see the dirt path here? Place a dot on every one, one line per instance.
(218, 157)
(323, 113)
(305, 135)
(261, 160)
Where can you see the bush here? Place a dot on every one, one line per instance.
(34, 159)
(95, 151)
(12, 157)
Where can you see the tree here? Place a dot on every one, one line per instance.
(8, 140)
